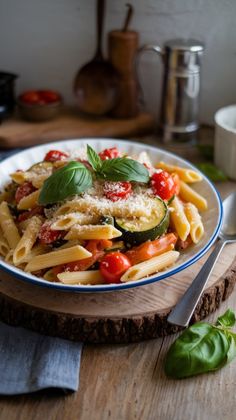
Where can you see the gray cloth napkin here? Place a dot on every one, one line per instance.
(30, 361)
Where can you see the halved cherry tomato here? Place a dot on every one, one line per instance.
(115, 191)
(38, 210)
(96, 247)
(48, 236)
(113, 266)
(24, 190)
(164, 185)
(111, 153)
(151, 249)
(55, 155)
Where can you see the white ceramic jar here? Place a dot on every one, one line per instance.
(225, 140)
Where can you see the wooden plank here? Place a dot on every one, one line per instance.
(68, 125)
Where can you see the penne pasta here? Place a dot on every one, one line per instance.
(189, 194)
(179, 219)
(29, 202)
(81, 277)
(63, 256)
(195, 221)
(149, 267)
(8, 226)
(93, 232)
(27, 241)
(20, 177)
(36, 250)
(4, 246)
(9, 257)
(68, 220)
(185, 174)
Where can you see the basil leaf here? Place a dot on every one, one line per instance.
(201, 348)
(227, 320)
(93, 158)
(212, 172)
(72, 179)
(123, 169)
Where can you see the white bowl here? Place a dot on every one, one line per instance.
(225, 140)
(212, 218)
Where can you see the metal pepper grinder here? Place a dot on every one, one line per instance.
(181, 87)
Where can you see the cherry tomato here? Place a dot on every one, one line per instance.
(49, 96)
(40, 97)
(115, 191)
(24, 190)
(30, 97)
(163, 185)
(48, 236)
(55, 155)
(113, 266)
(27, 214)
(109, 153)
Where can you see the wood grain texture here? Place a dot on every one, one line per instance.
(70, 124)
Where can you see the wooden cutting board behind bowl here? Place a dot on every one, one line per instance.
(16, 132)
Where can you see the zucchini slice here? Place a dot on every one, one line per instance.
(136, 231)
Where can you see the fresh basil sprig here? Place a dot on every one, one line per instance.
(202, 348)
(74, 178)
(93, 158)
(117, 169)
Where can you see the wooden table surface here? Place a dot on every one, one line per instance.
(122, 382)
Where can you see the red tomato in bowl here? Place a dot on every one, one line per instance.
(49, 96)
(31, 97)
(113, 266)
(39, 97)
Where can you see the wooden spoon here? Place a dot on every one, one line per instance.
(96, 84)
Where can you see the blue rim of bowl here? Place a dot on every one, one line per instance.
(123, 286)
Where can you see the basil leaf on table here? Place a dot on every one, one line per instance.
(72, 179)
(123, 169)
(212, 172)
(227, 320)
(93, 158)
(202, 348)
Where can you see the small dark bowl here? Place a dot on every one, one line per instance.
(38, 112)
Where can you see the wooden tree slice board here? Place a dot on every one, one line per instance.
(124, 316)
